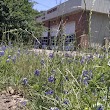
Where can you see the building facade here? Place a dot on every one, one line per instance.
(73, 21)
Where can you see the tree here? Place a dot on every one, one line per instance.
(17, 18)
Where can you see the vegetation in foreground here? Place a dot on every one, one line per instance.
(56, 82)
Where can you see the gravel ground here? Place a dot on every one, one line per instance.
(47, 52)
(11, 100)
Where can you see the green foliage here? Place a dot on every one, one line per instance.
(17, 18)
(84, 81)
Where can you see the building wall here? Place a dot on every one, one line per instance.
(101, 6)
(99, 28)
(64, 8)
(79, 18)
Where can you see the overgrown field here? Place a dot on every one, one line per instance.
(57, 82)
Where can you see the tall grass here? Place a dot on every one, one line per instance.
(54, 80)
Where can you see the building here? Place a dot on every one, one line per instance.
(75, 20)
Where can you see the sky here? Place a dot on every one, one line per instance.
(42, 5)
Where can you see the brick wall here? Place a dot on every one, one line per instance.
(81, 23)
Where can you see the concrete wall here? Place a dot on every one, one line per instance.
(64, 8)
(99, 28)
(101, 6)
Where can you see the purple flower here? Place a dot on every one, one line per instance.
(51, 55)
(19, 50)
(66, 101)
(23, 103)
(86, 81)
(85, 73)
(51, 79)
(25, 81)
(37, 72)
(3, 48)
(2, 53)
(7, 60)
(9, 56)
(49, 92)
(82, 60)
(100, 108)
(90, 57)
(57, 98)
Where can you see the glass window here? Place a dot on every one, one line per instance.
(69, 39)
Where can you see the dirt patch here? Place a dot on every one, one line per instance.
(11, 100)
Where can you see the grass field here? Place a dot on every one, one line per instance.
(57, 82)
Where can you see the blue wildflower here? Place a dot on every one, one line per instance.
(3, 48)
(25, 81)
(85, 77)
(100, 108)
(9, 44)
(85, 73)
(7, 60)
(19, 50)
(51, 55)
(86, 81)
(23, 103)
(51, 79)
(66, 101)
(57, 98)
(49, 92)
(37, 72)
(9, 56)
(2, 53)
(89, 57)
(82, 60)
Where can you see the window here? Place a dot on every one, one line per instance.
(52, 40)
(44, 41)
(52, 10)
(43, 18)
(69, 39)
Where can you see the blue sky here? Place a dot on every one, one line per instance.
(46, 4)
